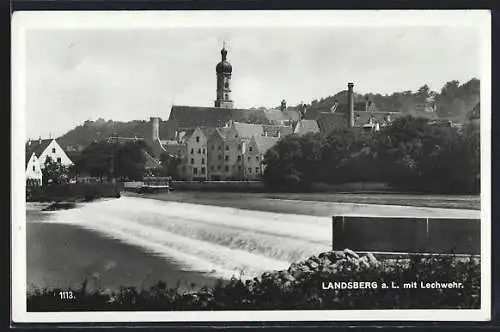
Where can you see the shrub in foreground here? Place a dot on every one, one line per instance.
(302, 286)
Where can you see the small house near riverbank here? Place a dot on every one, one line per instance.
(37, 152)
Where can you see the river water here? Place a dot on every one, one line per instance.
(209, 241)
(123, 241)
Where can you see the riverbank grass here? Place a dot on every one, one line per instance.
(329, 281)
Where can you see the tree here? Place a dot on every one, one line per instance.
(170, 165)
(340, 148)
(129, 161)
(113, 160)
(97, 159)
(423, 92)
(419, 156)
(293, 162)
(54, 172)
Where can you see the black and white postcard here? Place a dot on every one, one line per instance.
(251, 166)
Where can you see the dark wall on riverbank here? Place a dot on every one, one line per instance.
(414, 235)
(73, 192)
(257, 186)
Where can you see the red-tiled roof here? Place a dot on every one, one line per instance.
(247, 130)
(307, 126)
(36, 147)
(167, 130)
(361, 118)
(271, 130)
(192, 116)
(264, 143)
(149, 161)
(327, 122)
(275, 115)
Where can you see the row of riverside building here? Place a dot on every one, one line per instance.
(227, 143)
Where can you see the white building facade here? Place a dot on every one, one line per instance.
(37, 154)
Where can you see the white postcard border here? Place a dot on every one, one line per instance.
(126, 20)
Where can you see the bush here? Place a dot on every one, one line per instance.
(300, 287)
(410, 155)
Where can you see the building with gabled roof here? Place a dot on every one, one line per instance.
(277, 130)
(306, 126)
(37, 152)
(254, 156)
(246, 131)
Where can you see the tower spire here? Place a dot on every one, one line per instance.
(223, 52)
(224, 70)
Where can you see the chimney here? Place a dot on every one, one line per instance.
(350, 104)
(283, 105)
(155, 128)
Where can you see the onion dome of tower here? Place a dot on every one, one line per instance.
(224, 66)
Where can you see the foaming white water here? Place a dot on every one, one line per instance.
(222, 242)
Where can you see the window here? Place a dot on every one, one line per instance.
(33, 167)
(218, 167)
(195, 170)
(248, 159)
(227, 147)
(219, 157)
(239, 158)
(53, 150)
(199, 151)
(202, 161)
(226, 97)
(192, 150)
(256, 170)
(226, 168)
(197, 139)
(226, 158)
(226, 84)
(203, 150)
(192, 161)
(203, 170)
(59, 159)
(249, 169)
(250, 149)
(257, 158)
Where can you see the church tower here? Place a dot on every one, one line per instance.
(224, 70)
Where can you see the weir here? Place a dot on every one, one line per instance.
(407, 235)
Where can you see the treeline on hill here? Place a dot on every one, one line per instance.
(453, 101)
(409, 155)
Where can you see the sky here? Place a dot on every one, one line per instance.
(74, 75)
